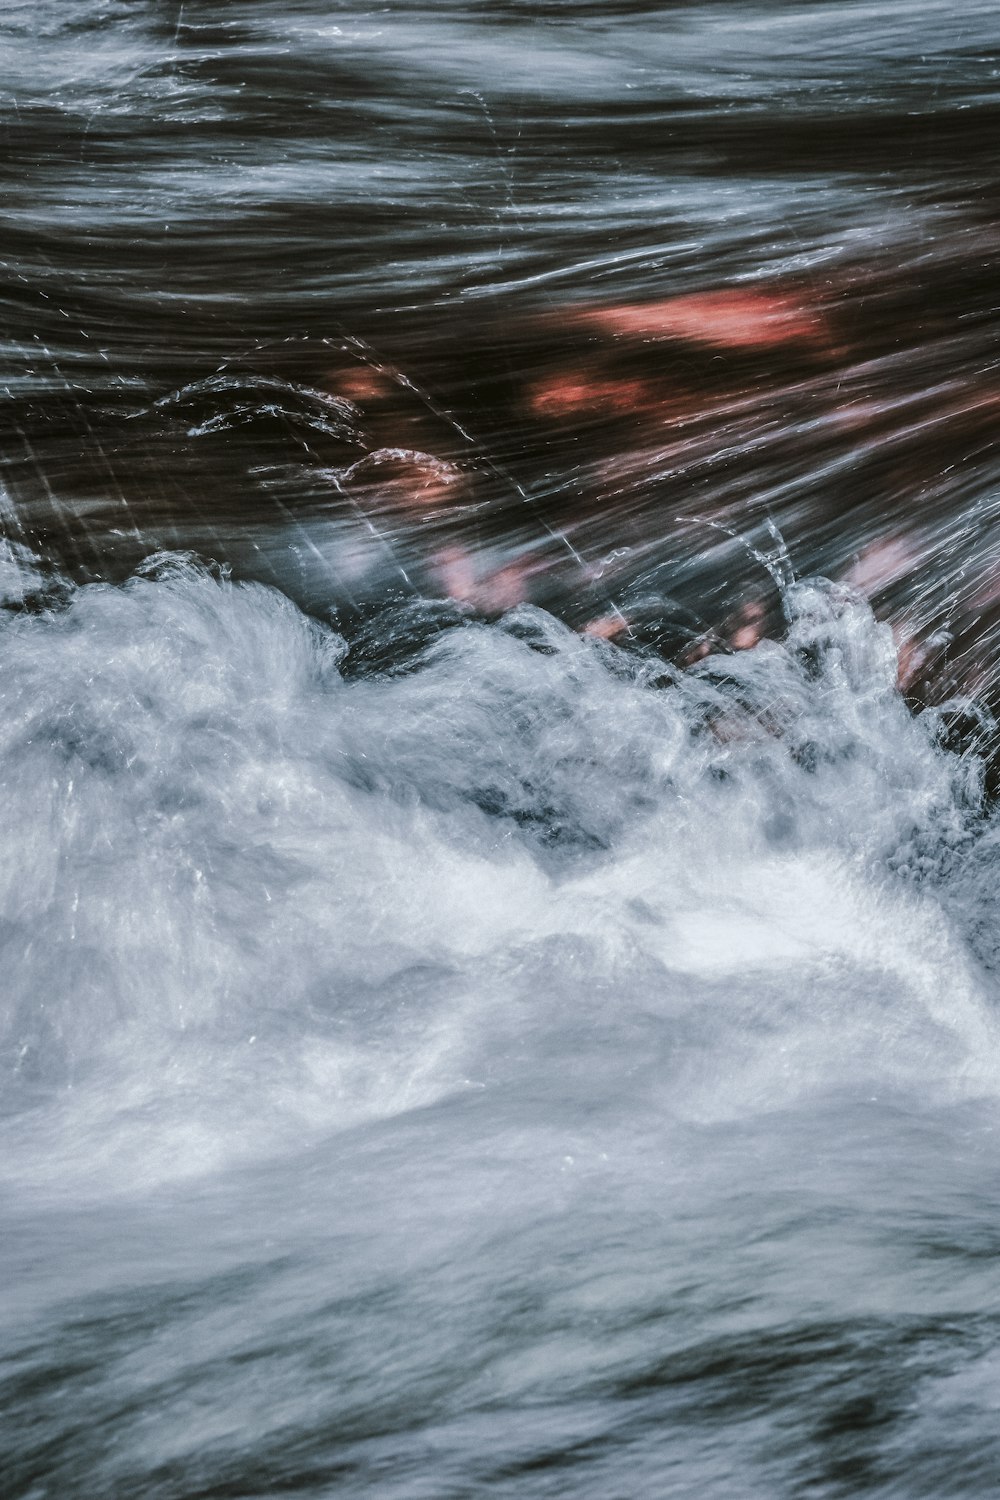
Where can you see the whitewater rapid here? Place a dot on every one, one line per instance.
(502, 1073)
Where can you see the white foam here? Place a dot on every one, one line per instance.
(244, 900)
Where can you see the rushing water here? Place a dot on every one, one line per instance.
(499, 606)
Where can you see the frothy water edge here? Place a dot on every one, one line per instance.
(245, 851)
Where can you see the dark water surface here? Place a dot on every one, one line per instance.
(497, 973)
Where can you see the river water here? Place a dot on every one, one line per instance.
(498, 956)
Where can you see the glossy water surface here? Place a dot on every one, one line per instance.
(497, 901)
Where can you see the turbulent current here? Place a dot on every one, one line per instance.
(498, 755)
(533, 1072)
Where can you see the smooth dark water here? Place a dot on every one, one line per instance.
(497, 973)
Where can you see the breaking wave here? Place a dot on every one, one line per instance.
(529, 1032)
